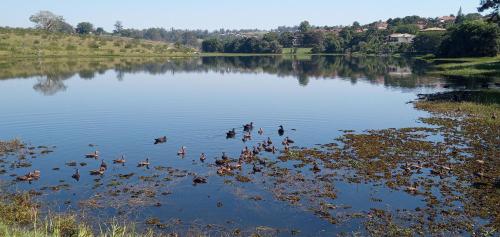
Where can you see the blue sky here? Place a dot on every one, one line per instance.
(229, 14)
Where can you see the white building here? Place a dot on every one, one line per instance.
(401, 38)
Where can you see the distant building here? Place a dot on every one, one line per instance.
(447, 19)
(381, 25)
(433, 29)
(401, 38)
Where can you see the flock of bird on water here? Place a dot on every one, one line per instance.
(225, 164)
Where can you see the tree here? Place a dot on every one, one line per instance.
(271, 36)
(212, 45)
(286, 39)
(493, 6)
(313, 38)
(471, 39)
(460, 17)
(356, 25)
(118, 28)
(407, 28)
(47, 20)
(84, 28)
(304, 27)
(332, 44)
(100, 31)
(428, 42)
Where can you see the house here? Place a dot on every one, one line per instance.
(380, 25)
(447, 19)
(401, 38)
(433, 29)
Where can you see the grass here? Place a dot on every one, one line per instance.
(466, 67)
(299, 51)
(482, 106)
(21, 217)
(36, 43)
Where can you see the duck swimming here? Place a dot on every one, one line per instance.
(269, 142)
(288, 140)
(160, 140)
(248, 127)
(224, 156)
(182, 151)
(94, 155)
(281, 130)
(261, 131)
(203, 157)
(104, 165)
(256, 169)
(231, 133)
(99, 171)
(144, 163)
(76, 175)
(120, 160)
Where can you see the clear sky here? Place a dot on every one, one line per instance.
(228, 14)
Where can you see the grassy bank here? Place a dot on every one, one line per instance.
(466, 67)
(37, 43)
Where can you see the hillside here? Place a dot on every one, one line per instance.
(37, 43)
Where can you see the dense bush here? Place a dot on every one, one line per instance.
(471, 39)
(428, 42)
(242, 45)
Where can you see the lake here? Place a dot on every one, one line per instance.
(118, 106)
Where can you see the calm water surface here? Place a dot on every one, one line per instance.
(122, 105)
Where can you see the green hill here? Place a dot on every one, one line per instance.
(37, 43)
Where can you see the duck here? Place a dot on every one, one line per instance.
(203, 157)
(261, 131)
(144, 163)
(76, 175)
(231, 133)
(269, 142)
(288, 140)
(104, 165)
(223, 170)
(235, 166)
(199, 180)
(27, 177)
(160, 140)
(224, 156)
(248, 127)
(316, 168)
(36, 174)
(99, 171)
(94, 155)
(220, 162)
(182, 151)
(281, 130)
(256, 169)
(120, 160)
(255, 151)
(247, 136)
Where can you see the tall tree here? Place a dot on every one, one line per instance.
(304, 26)
(47, 20)
(460, 17)
(494, 7)
(84, 28)
(118, 28)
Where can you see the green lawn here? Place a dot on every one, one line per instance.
(467, 67)
(37, 43)
(299, 51)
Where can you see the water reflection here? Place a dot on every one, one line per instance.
(400, 73)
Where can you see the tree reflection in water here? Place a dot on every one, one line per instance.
(398, 72)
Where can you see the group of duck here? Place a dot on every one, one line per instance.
(225, 164)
